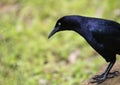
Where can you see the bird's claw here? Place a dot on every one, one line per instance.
(98, 79)
(97, 76)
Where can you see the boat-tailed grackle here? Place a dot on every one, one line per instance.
(103, 35)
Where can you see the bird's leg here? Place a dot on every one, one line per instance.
(102, 77)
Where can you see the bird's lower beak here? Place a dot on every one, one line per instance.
(53, 32)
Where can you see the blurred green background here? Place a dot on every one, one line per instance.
(27, 57)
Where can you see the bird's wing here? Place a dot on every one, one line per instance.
(109, 37)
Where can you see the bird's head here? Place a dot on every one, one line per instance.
(65, 23)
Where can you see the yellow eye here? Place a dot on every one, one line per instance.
(59, 23)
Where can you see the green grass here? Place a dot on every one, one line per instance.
(27, 57)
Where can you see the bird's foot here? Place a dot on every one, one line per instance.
(113, 74)
(101, 78)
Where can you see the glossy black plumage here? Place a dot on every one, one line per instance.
(103, 35)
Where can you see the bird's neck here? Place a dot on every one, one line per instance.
(89, 38)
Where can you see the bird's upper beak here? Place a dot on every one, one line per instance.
(56, 29)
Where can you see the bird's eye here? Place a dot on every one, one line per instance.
(59, 23)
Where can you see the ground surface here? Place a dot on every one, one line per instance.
(112, 81)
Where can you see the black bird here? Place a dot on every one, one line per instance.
(103, 35)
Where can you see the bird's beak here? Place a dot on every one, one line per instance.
(56, 29)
